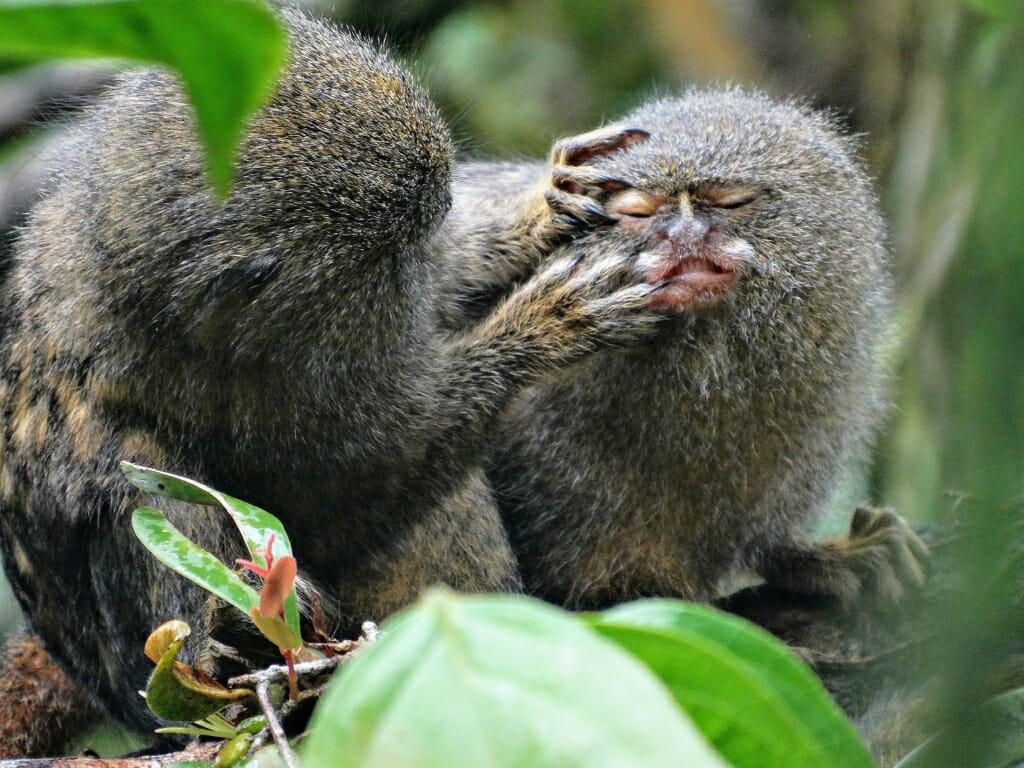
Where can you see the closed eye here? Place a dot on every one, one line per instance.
(729, 197)
(635, 204)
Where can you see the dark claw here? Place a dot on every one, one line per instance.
(577, 182)
(596, 213)
(584, 210)
(564, 221)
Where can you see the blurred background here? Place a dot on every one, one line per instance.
(935, 87)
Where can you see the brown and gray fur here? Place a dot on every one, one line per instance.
(284, 346)
(669, 468)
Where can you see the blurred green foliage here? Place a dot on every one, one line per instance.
(515, 77)
(958, 232)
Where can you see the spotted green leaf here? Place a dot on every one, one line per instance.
(179, 554)
(254, 524)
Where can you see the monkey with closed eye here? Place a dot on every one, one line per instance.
(670, 468)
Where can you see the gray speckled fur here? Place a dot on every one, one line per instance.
(668, 468)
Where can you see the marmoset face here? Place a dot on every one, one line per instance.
(689, 240)
(735, 199)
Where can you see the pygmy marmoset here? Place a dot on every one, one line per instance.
(667, 468)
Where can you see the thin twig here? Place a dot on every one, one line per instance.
(279, 672)
(288, 755)
(309, 668)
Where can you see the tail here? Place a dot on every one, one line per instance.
(41, 710)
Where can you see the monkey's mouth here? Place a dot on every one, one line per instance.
(691, 282)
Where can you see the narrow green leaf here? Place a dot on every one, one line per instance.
(746, 691)
(254, 524)
(185, 730)
(498, 681)
(158, 483)
(227, 52)
(179, 554)
(215, 726)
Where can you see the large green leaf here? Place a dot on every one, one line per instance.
(179, 554)
(227, 52)
(254, 524)
(745, 690)
(488, 682)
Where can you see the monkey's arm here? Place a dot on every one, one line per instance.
(577, 302)
(507, 217)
